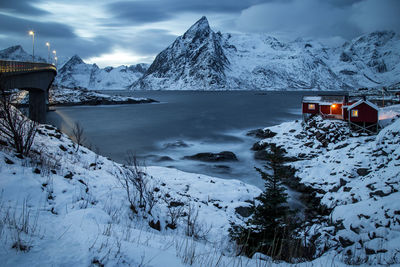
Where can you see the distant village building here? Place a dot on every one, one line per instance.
(361, 114)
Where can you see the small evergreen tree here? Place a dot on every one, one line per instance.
(266, 230)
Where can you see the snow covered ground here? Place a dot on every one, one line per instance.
(66, 206)
(357, 178)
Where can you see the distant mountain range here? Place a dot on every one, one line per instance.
(202, 59)
(76, 73)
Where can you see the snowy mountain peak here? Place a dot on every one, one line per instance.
(75, 60)
(201, 27)
(76, 73)
(13, 49)
(17, 53)
(195, 60)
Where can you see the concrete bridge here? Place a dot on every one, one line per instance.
(33, 77)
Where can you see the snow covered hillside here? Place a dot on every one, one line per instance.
(76, 73)
(65, 205)
(355, 179)
(205, 60)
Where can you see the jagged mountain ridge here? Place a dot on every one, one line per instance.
(76, 73)
(17, 53)
(195, 59)
(202, 59)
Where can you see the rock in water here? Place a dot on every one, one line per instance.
(214, 157)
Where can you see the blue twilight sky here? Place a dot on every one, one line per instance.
(115, 32)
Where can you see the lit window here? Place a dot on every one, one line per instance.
(354, 113)
(311, 106)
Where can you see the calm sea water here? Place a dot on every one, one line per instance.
(202, 121)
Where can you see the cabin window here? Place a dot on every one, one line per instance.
(311, 106)
(354, 113)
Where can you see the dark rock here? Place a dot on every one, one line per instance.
(309, 144)
(8, 161)
(68, 175)
(213, 157)
(259, 146)
(345, 242)
(176, 203)
(379, 193)
(341, 146)
(262, 134)
(363, 171)
(165, 158)
(355, 229)
(63, 148)
(3, 143)
(342, 182)
(244, 211)
(36, 170)
(369, 251)
(347, 189)
(156, 226)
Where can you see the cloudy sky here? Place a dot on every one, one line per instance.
(114, 32)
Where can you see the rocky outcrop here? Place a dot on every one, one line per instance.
(213, 157)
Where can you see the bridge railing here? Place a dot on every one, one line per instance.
(19, 66)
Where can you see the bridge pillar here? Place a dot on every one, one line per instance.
(37, 105)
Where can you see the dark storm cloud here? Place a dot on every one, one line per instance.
(144, 11)
(322, 19)
(25, 7)
(18, 26)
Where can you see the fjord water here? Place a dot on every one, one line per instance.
(204, 122)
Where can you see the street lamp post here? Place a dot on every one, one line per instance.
(55, 55)
(48, 52)
(56, 58)
(32, 33)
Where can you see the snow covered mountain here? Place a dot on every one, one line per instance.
(195, 60)
(18, 53)
(76, 73)
(203, 59)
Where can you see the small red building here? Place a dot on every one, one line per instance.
(360, 113)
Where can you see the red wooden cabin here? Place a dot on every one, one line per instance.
(360, 113)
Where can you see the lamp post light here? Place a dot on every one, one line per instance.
(32, 33)
(54, 54)
(48, 52)
(56, 58)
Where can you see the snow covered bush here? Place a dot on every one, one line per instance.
(15, 128)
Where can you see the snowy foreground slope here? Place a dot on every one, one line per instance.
(65, 206)
(74, 211)
(357, 179)
(205, 60)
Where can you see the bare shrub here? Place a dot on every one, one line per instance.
(22, 227)
(47, 162)
(15, 128)
(140, 193)
(175, 211)
(78, 135)
(193, 227)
